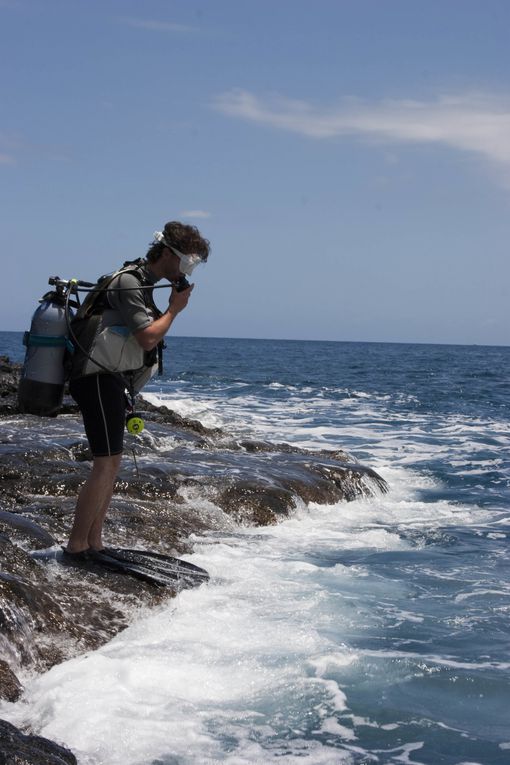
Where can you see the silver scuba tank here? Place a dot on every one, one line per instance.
(41, 387)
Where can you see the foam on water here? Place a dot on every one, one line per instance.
(323, 423)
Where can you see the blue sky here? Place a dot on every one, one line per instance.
(348, 159)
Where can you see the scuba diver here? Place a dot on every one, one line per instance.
(117, 335)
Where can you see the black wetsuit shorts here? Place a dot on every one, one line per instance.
(102, 402)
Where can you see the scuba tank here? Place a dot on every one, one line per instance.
(41, 387)
(52, 341)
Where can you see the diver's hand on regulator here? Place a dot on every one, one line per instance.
(179, 300)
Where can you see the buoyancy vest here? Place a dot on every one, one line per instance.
(112, 350)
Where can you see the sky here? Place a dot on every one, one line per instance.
(349, 160)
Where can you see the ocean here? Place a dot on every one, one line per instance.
(375, 631)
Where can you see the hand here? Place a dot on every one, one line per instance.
(179, 300)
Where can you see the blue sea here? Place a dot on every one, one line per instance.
(375, 631)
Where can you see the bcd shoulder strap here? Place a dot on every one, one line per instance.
(97, 299)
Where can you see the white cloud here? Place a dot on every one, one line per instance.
(195, 214)
(157, 26)
(472, 122)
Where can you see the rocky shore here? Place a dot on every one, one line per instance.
(178, 478)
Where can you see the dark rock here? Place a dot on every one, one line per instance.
(49, 613)
(255, 505)
(31, 529)
(10, 686)
(17, 748)
(9, 378)
(350, 480)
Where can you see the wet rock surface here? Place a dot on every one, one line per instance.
(177, 478)
(16, 748)
(9, 683)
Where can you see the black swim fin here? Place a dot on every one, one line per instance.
(134, 567)
(138, 569)
(159, 563)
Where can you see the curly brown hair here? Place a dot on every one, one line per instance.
(185, 238)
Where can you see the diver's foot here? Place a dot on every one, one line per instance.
(81, 555)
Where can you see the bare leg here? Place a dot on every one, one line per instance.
(92, 505)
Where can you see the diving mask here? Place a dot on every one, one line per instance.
(187, 262)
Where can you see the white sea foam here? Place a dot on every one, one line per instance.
(164, 686)
(203, 410)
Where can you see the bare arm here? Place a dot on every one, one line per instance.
(150, 336)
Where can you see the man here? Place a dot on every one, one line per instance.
(116, 334)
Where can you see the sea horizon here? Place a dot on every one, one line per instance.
(315, 340)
